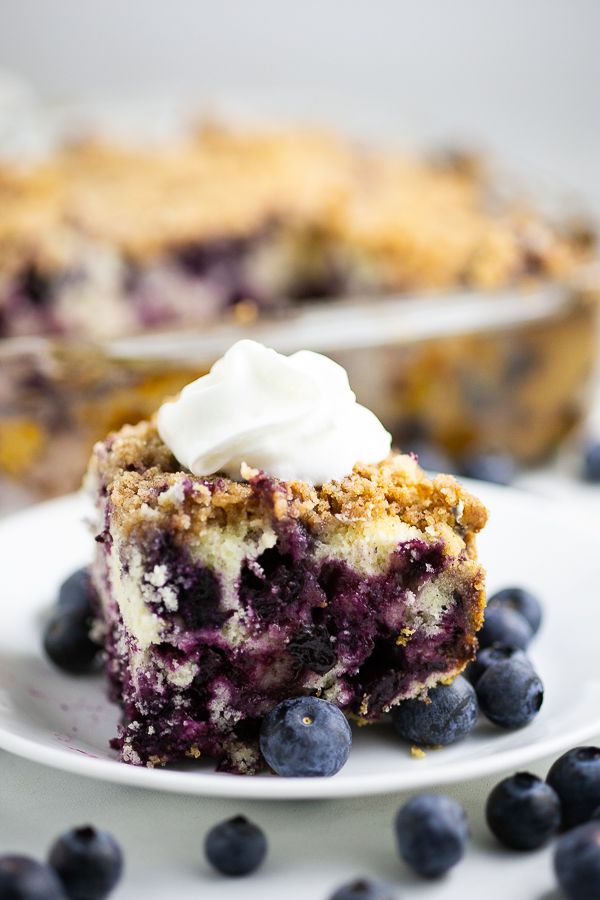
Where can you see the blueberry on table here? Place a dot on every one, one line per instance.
(496, 468)
(591, 463)
(503, 625)
(235, 847)
(448, 715)
(510, 693)
(363, 889)
(305, 736)
(577, 862)
(88, 861)
(67, 642)
(432, 832)
(575, 776)
(76, 593)
(521, 601)
(523, 812)
(490, 656)
(22, 878)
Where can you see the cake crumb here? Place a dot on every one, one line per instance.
(194, 752)
(404, 636)
(417, 753)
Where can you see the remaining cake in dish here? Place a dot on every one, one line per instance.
(219, 598)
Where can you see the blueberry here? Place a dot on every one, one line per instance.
(88, 861)
(523, 812)
(503, 625)
(510, 693)
(68, 644)
(432, 831)
(236, 846)
(575, 776)
(449, 716)
(305, 736)
(490, 656)
(430, 457)
(521, 601)
(363, 889)
(76, 593)
(22, 878)
(577, 862)
(494, 467)
(591, 462)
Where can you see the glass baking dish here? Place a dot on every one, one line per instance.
(468, 372)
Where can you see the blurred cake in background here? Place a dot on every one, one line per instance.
(240, 229)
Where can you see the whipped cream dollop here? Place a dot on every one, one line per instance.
(295, 417)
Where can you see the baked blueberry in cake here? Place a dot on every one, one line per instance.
(259, 541)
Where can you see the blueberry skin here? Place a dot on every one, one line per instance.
(490, 656)
(575, 776)
(432, 831)
(591, 463)
(363, 889)
(22, 878)
(88, 861)
(502, 625)
(76, 593)
(523, 812)
(450, 715)
(521, 601)
(577, 862)
(493, 467)
(305, 737)
(67, 642)
(510, 693)
(235, 847)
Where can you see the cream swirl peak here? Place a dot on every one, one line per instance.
(295, 417)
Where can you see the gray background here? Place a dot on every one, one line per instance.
(519, 76)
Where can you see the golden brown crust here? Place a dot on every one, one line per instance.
(137, 470)
(421, 223)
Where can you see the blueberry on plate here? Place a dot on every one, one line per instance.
(575, 776)
(236, 846)
(521, 601)
(88, 861)
(503, 625)
(305, 736)
(22, 878)
(363, 889)
(577, 862)
(68, 644)
(510, 693)
(432, 832)
(591, 462)
(490, 656)
(523, 812)
(494, 467)
(76, 593)
(448, 715)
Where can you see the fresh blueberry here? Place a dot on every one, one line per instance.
(494, 467)
(521, 601)
(363, 889)
(448, 716)
(76, 593)
(305, 736)
(577, 862)
(68, 644)
(575, 776)
(510, 693)
(503, 625)
(523, 812)
(490, 656)
(236, 846)
(88, 861)
(432, 832)
(430, 457)
(591, 462)
(22, 878)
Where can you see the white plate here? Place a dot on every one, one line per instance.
(66, 722)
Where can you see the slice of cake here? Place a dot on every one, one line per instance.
(220, 597)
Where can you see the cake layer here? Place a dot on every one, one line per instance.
(219, 599)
